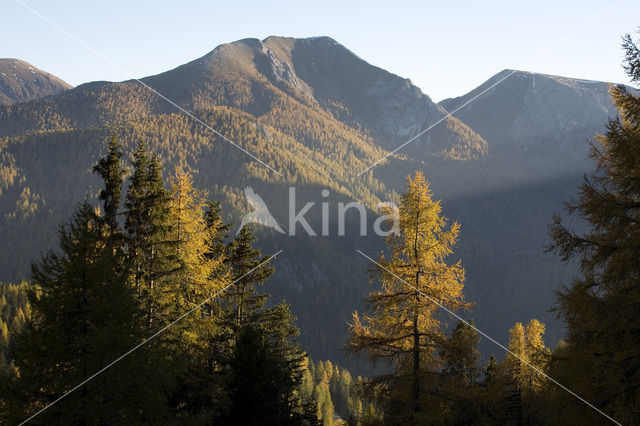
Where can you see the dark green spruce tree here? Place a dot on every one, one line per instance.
(84, 319)
(264, 364)
(148, 228)
(110, 170)
(289, 360)
(244, 305)
(459, 385)
(265, 374)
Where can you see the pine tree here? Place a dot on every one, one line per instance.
(288, 358)
(110, 170)
(460, 355)
(371, 418)
(601, 362)
(245, 323)
(241, 304)
(149, 245)
(4, 335)
(460, 373)
(493, 388)
(403, 325)
(242, 300)
(324, 403)
(84, 319)
(306, 387)
(319, 371)
(216, 231)
(254, 394)
(266, 371)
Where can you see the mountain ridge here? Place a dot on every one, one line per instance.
(22, 82)
(507, 113)
(318, 114)
(287, 64)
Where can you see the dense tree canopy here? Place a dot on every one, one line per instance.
(601, 361)
(126, 273)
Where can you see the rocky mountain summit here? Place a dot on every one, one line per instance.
(321, 72)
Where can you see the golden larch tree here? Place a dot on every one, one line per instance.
(403, 324)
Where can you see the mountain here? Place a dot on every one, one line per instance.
(538, 128)
(263, 96)
(323, 74)
(319, 115)
(543, 118)
(21, 82)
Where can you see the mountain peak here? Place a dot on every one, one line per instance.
(20, 82)
(313, 39)
(522, 74)
(250, 74)
(535, 115)
(252, 42)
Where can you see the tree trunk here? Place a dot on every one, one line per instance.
(416, 366)
(416, 332)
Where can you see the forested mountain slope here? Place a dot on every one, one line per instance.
(319, 115)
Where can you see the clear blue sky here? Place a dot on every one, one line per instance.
(445, 47)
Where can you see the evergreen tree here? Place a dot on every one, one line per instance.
(461, 356)
(460, 373)
(494, 387)
(324, 403)
(243, 303)
(245, 324)
(371, 418)
(150, 260)
(403, 325)
(216, 231)
(601, 361)
(319, 371)
(110, 170)
(288, 358)
(84, 319)
(253, 390)
(15, 310)
(266, 370)
(149, 246)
